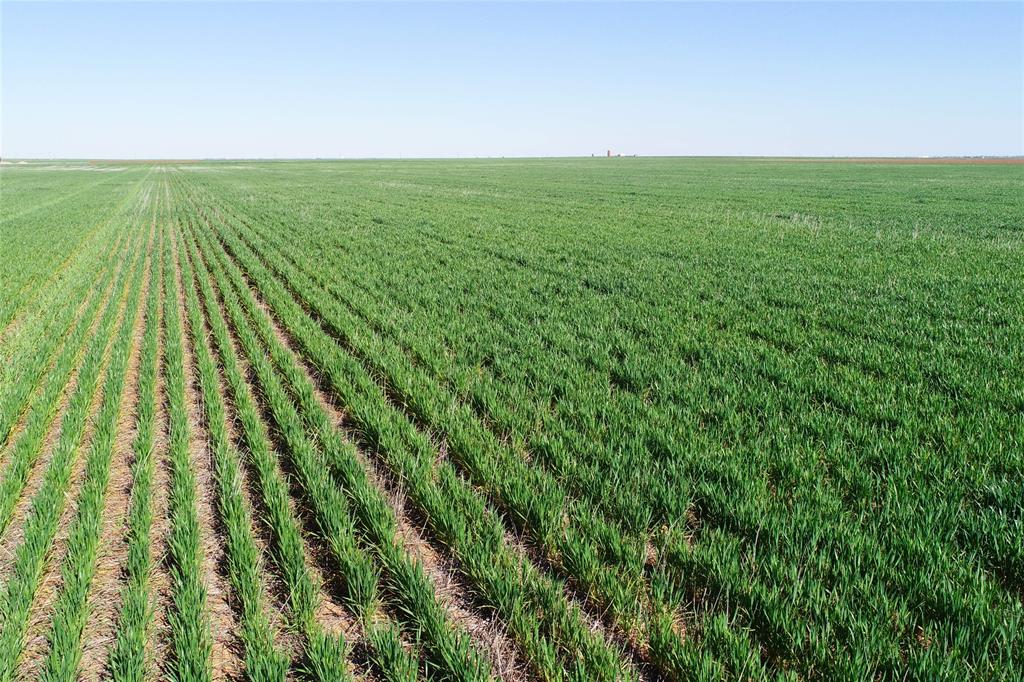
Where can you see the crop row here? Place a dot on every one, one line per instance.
(543, 420)
(534, 502)
(107, 356)
(411, 451)
(755, 384)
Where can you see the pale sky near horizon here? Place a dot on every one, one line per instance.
(289, 79)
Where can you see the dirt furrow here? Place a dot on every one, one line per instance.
(159, 634)
(105, 592)
(454, 593)
(331, 614)
(226, 654)
(591, 615)
(489, 642)
(36, 641)
(486, 631)
(12, 536)
(455, 597)
(272, 586)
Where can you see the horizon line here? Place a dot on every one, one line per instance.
(142, 159)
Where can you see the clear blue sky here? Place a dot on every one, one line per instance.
(183, 80)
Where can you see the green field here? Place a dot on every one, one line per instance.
(588, 419)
